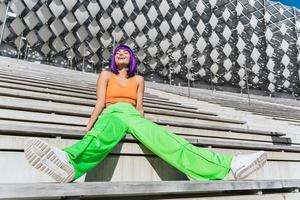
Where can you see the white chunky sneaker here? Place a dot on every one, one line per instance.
(48, 159)
(244, 165)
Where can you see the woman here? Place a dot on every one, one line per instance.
(119, 110)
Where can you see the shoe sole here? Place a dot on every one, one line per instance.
(41, 156)
(258, 163)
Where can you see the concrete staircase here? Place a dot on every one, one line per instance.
(55, 103)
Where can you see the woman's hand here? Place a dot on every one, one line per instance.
(141, 110)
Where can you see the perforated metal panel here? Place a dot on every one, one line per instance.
(221, 42)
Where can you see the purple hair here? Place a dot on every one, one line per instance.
(132, 63)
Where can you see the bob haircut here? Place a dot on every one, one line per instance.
(132, 62)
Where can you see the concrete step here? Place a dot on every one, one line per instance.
(26, 86)
(57, 130)
(17, 90)
(58, 78)
(127, 159)
(68, 121)
(10, 104)
(28, 77)
(253, 121)
(45, 69)
(226, 100)
(150, 190)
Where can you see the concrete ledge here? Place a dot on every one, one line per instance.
(259, 107)
(59, 132)
(134, 189)
(43, 80)
(223, 128)
(21, 104)
(77, 134)
(39, 90)
(11, 63)
(28, 92)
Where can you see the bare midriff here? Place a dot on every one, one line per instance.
(107, 104)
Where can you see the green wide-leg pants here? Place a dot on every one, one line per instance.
(120, 118)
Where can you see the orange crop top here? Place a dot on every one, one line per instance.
(116, 92)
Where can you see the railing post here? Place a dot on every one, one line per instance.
(19, 49)
(83, 58)
(4, 23)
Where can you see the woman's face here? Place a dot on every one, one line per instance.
(122, 58)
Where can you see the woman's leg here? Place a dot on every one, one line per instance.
(72, 162)
(96, 144)
(196, 162)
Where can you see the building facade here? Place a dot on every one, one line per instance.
(234, 43)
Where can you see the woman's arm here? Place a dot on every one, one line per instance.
(140, 95)
(100, 93)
